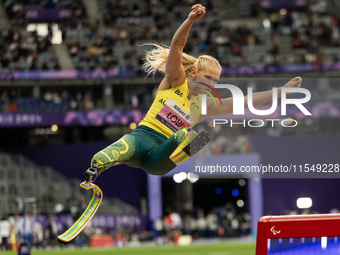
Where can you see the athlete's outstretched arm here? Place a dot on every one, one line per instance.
(258, 99)
(174, 71)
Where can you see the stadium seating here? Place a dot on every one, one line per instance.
(21, 178)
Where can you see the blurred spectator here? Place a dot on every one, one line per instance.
(51, 231)
(28, 230)
(187, 225)
(19, 226)
(158, 226)
(174, 220)
(12, 99)
(38, 234)
(4, 233)
(48, 96)
(202, 225)
(212, 223)
(88, 104)
(56, 98)
(4, 101)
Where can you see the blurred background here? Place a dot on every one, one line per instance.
(71, 84)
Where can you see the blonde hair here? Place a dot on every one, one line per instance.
(155, 60)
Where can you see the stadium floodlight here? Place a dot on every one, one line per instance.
(304, 202)
(240, 203)
(192, 177)
(180, 177)
(183, 175)
(177, 178)
(241, 182)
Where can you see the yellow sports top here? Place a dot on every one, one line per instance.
(172, 110)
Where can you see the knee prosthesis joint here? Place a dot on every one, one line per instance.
(91, 174)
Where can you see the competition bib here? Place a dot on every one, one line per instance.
(174, 116)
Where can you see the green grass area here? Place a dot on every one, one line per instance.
(226, 248)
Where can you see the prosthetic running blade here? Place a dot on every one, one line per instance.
(86, 217)
(190, 146)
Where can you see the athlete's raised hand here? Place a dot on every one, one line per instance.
(174, 70)
(197, 12)
(293, 83)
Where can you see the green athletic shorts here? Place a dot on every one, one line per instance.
(143, 148)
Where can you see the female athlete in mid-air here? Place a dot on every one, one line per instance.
(149, 146)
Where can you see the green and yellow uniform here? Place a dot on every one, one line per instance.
(160, 132)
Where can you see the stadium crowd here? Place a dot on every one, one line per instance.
(138, 23)
(16, 10)
(315, 36)
(222, 222)
(16, 228)
(114, 46)
(57, 101)
(42, 234)
(22, 52)
(130, 25)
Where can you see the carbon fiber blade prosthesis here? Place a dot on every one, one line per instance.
(192, 144)
(86, 217)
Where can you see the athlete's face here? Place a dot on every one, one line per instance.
(208, 76)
